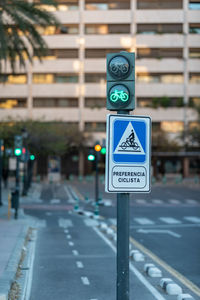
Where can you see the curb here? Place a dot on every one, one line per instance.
(9, 274)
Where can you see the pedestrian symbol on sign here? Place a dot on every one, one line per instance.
(129, 142)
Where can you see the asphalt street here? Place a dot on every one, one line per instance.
(166, 222)
(80, 264)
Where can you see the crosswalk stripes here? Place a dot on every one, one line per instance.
(192, 219)
(144, 221)
(166, 220)
(174, 201)
(165, 202)
(170, 220)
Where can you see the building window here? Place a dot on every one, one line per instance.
(12, 103)
(159, 53)
(63, 29)
(95, 127)
(194, 4)
(95, 102)
(54, 78)
(107, 29)
(95, 77)
(101, 53)
(194, 28)
(194, 102)
(159, 4)
(159, 78)
(55, 102)
(194, 78)
(62, 5)
(60, 53)
(160, 102)
(159, 28)
(106, 4)
(172, 126)
(13, 79)
(194, 53)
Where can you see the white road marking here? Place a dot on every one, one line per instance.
(48, 213)
(141, 201)
(174, 201)
(169, 220)
(159, 231)
(79, 264)
(55, 201)
(191, 201)
(66, 230)
(192, 219)
(113, 221)
(70, 199)
(144, 221)
(157, 201)
(91, 222)
(68, 236)
(153, 291)
(65, 223)
(75, 252)
(85, 280)
(71, 244)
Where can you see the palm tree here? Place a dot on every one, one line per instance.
(19, 36)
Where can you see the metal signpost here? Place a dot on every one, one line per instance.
(128, 159)
(127, 154)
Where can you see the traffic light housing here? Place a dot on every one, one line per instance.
(120, 81)
(18, 145)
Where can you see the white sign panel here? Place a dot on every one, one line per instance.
(128, 154)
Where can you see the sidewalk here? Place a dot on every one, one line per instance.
(12, 237)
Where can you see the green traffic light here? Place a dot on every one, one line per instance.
(119, 95)
(103, 150)
(18, 151)
(32, 157)
(91, 157)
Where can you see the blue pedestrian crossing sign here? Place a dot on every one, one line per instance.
(128, 153)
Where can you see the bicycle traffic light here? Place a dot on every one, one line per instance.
(121, 81)
(18, 145)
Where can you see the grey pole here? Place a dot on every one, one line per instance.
(123, 242)
(1, 162)
(123, 246)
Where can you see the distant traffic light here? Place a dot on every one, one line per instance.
(121, 81)
(18, 145)
(18, 151)
(103, 150)
(97, 147)
(32, 157)
(91, 157)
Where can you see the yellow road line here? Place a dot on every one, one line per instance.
(163, 264)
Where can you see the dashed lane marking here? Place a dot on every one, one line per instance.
(68, 236)
(71, 244)
(75, 252)
(152, 290)
(85, 280)
(64, 223)
(79, 264)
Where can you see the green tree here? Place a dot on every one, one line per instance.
(19, 34)
(44, 138)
